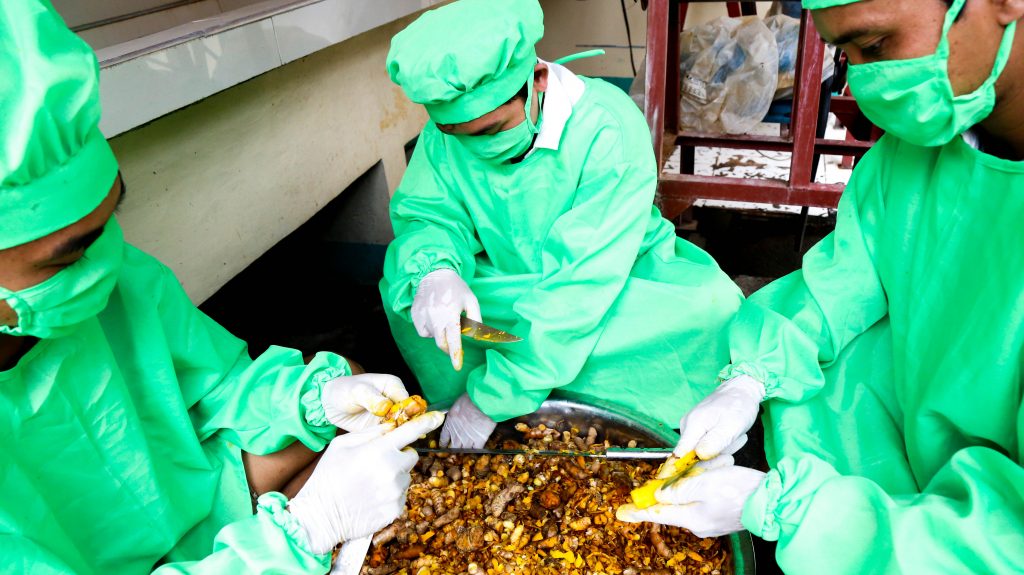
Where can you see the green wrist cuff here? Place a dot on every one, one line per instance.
(272, 506)
(312, 402)
(759, 511)
(757, 371)
(429, 269)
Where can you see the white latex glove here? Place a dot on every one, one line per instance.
(355, 402)
(440, 299)
(359, 485)
(466, 427)
(708, 504)
(720, 418)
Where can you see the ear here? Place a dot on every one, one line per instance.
(1008, 11)
(540, 77)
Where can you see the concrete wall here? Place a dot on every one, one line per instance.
(216, 184)
(213, 186)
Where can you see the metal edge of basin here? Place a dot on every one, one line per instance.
(628, 425)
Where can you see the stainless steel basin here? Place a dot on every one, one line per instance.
(619, 425)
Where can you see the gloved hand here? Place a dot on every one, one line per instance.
(359, 485)
(440, 299)
(708, 503)
(720, 418)
(723, 459)
(466, 427)
(356, 402)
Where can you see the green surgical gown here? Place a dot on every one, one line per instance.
(120, 444)
(566, 250)
(893, 363)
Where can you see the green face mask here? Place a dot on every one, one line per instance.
(507, 144)
(79, 292)
(913, 99)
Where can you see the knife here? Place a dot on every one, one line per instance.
(610, 453)
(480, 332)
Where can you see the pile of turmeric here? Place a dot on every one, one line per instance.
(531, 514)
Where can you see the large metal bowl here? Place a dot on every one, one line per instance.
(619, 425)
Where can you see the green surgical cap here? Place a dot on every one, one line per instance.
(821, 4)
(55, 165)
(465, 59)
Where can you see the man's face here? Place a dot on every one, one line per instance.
(30, 264)
(504, 117)
(880, 30)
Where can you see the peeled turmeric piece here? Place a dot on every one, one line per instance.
(643, 496)
(404, 410)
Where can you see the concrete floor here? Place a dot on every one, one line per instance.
(757, 164)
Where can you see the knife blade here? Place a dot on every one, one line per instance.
(481, 332)
(611, 453)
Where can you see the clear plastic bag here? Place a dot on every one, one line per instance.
(732, 69)
(787, 38)
(728, 71)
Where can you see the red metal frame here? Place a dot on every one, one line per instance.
(677, 192)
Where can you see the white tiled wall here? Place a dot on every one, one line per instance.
(227, 5)
(136, 91)
(145, 78)
(79, 13)
(118, 32)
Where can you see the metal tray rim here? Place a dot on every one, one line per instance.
(741, 543)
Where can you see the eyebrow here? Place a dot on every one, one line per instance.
(485, 129)
(81, 243)
(848, 37)
(76, 244)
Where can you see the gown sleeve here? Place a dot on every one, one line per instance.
(586, 259)
(784, 333)
(260, 405)
(21, 554)
(433, 229)
(269, 542)
(968, 519)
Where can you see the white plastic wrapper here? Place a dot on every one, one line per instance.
(728, 72)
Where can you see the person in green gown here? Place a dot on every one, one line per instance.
(134, 427)
(891, 366)
(528, 203)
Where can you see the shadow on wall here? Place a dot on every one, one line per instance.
(316, 290)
